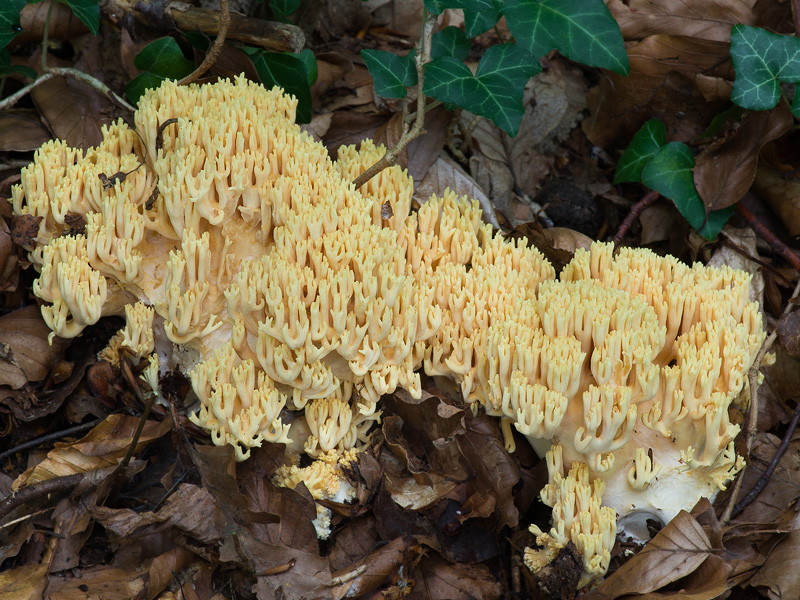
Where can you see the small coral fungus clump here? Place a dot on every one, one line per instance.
(238, 251)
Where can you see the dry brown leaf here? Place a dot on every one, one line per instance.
(740, 244)
(102, 447)
(677, 551)
(191, 510)
(782, 193)
(21, 130)
(454, 581)
(789, 332)
(25, 355)
(350, 127)
(661, 84)
(779, 576)
(725, 170)
(703, 19)
(9, 265)
(63, 23)
(23, 583)
(424, 150)
(354, 541)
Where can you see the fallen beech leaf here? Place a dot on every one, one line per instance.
(725, 170)
(780, 573)
(374, 570)
(23, 583)
(789, 332)
(568, 240)
(677, 551)
(639, 19)
(782, 193)
(9, 265)
(455, 581)
(26, 355)
(21, 130)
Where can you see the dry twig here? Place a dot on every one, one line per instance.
(636, 210)
(216, 47)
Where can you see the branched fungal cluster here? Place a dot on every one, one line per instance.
(260, 271)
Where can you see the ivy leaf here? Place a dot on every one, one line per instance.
(9, 20)
(163, 57)
(392, 74)
(87, 11)
(437, 6)
(450, 41)
(6, 68)
(281, 9)
(495, 92)
(477, 22)
(288, 72)
(310, 62)
(670, 174)
(643, 147)
(582, 31)
(762, 60)
(140, 84)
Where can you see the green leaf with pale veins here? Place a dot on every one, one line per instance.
(495, 92)
(450, 41)
(163, 57)
(762, 60)
(476, 22)
(643, 147)
(87, 11)
(582, 30)
(288, 72)
(669, 173)
(437, 6)
(9, 20)
(392, 74)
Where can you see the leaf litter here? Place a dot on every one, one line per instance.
(440, 504)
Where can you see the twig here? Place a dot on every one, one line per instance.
(422, 58)
(37, 490)
(49, 438)
(763, 232)
(764, 479)
(636, 210)
(216, 47)
(50, 72)
(752, 422)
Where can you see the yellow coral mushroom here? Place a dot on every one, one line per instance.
(241, 253)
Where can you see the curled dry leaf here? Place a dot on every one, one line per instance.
(21, 130)
(25, 355)
(725, 170)
(739, 251)
(64, 24)
(9, 265)
(779, 576)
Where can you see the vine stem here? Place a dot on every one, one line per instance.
(216, 47)
(423, 57)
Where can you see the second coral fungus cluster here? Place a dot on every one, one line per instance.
(239, 251)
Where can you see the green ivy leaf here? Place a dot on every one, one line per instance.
(288, 72)
(450, 41)
(310, 62)
(9, 20)
(495, 92)
(6, 68)
(582, 31)
(762, 60)
(437, 6)
(643, 147)
(670, 174)
(392, 74)
(87, 11)
(140, 84)
(164, 58)
(477, 22)
(281, 9)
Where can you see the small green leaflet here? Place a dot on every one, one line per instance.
(87, 11)
(583, 31)
(7, 69)
(670, 174)
(762, 60)
(495, 92)
(9, 20)
(644, 146)
(392, 74)
(450, 41)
